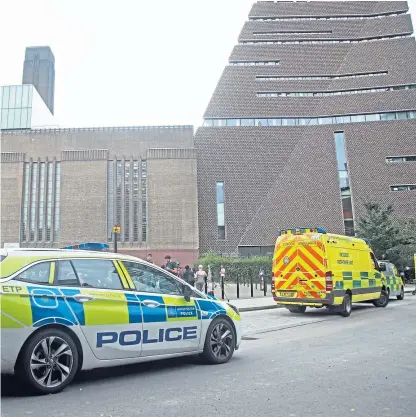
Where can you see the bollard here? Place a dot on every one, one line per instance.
(238, 287)
(222, 288)
(251, 286)
(206, 286)
(264, 286)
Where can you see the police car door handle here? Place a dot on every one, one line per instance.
(83, 298)
(151, 303)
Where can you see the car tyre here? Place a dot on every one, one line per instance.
(48, 362)
(346, 306)
(383, 300)
(297, 309)
(401, 295)
(219, 342)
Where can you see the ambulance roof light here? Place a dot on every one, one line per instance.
(298, 230)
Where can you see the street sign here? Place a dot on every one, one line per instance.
(116, 229)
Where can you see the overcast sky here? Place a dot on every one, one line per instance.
(126, 62)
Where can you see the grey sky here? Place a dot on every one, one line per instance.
(130, 62)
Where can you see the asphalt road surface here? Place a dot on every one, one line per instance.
(308, 365)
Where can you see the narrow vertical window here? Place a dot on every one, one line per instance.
(344, 183)
(135, 201)
(57, 200)
(49, 202)
(25, 200)
(220, 211)
(41, 202)
(34, 189)
(118, 192)
(110, 199)
(127, 201)
(144, 200)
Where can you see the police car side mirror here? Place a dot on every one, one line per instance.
(187, 293)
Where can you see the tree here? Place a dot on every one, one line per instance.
(386, 238)
(407, 249)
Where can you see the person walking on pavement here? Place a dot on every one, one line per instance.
(188, 275)
(171, 266)
(201, 276)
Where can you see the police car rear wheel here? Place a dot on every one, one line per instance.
(219, 342)
(49, 362)
(383, 300)
(401, 295)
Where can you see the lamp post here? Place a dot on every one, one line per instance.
(116, 232)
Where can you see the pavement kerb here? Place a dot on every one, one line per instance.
(273, 306)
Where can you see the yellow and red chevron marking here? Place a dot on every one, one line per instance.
(305, 261)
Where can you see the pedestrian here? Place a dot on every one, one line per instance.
(150, 258)
(201, 276)
(188, 275)
(171, 266)
(261, 277)
(222, 272)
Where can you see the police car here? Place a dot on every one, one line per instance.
(65, 310)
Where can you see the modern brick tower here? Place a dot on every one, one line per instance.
(314, 115)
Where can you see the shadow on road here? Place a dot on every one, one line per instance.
(10, 386)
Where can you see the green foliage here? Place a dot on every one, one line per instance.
(243, 268)
(389, 239)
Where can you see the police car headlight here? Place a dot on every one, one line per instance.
(234, 308)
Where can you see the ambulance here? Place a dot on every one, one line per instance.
(313, 268)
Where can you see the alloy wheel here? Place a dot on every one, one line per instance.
(222, 341)
(51, 361)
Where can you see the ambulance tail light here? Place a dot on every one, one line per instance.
(329, 286)
(273, 282)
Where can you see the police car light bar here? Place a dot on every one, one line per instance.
(300, 230)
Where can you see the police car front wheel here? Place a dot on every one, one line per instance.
(219, 342)
(48, 362)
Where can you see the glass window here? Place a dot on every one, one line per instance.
(208, 122)
(12, 97)
(401, 115)
(344, 180)
(25, 96)
(148, 279)
(97, 273)
(220, 214)
(10, 118)
(4, 118)
(372, 117)
(220, 192)
(261, 122)
(17, 115)
(313, 121)
(18, 98)
(247, 122)
(221, 232)
(340, 151)
(5, 98)
(233, 122)
(37, 274)
(358, 118)
(346, 119)
(291, 122)
(24, 122)
(66, 275)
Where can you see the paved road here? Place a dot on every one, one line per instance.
(292, 366)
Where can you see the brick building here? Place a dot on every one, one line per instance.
(66, 186)
(314, 115)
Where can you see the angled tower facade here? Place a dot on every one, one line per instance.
(39, 70)
(314, 115)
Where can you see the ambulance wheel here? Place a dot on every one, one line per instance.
(219, 342)
(383, 300)
(48, 361)
(401, 295)
(297, 309)
(346, 306)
